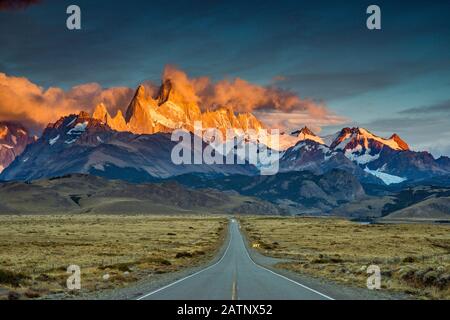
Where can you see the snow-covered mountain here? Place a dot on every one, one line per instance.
(13, 140)
(82, 144)
(306, 134)
(140, 141)
(286, 140)
(362, 147)
(364, 154)
(309, 155)
(390, 159)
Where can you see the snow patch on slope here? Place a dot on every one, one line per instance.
(356, 156)
(71, 122)
(70, 141)
(54, 140)
(79, 128)
(387, 178)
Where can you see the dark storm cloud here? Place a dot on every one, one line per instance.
(123, 43)
(320, 49)
(16, 4)
(342, 84)
(442, 107)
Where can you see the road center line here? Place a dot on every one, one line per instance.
(234, 286)
(234, 291)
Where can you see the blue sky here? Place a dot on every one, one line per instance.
(321, 50)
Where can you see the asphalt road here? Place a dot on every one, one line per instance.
(235, 277)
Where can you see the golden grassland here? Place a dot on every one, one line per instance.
(413, 258)
(35, 251)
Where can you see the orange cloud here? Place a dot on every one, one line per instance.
(21, 100)
(35, 107)
(277, 106)
(295, 120)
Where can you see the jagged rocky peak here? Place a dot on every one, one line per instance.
(137, 104)
(305, 130)
(75, 123)
(181, 95)
(117, 122)
(306, 134)
(352, 138)
(140, 91)
(101, 113)
(138, 116)
(83, 115)
(75, 129)
(178, 105)
(164, 91)
(400, 142)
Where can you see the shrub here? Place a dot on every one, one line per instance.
(443, 281)
(183, 254)
(323, 259)
(12, 295)
(409, 259)
(156, 260)
(12, 278)
(32, 294)
(430, 278)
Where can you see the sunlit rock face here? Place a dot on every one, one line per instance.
(13, 140)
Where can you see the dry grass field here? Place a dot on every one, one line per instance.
(413, 258)
(35, 251)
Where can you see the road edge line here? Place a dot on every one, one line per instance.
(192, 275)
(284, 277)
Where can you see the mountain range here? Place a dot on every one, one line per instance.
(364, 154)
(137, 148)
(82, 144)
